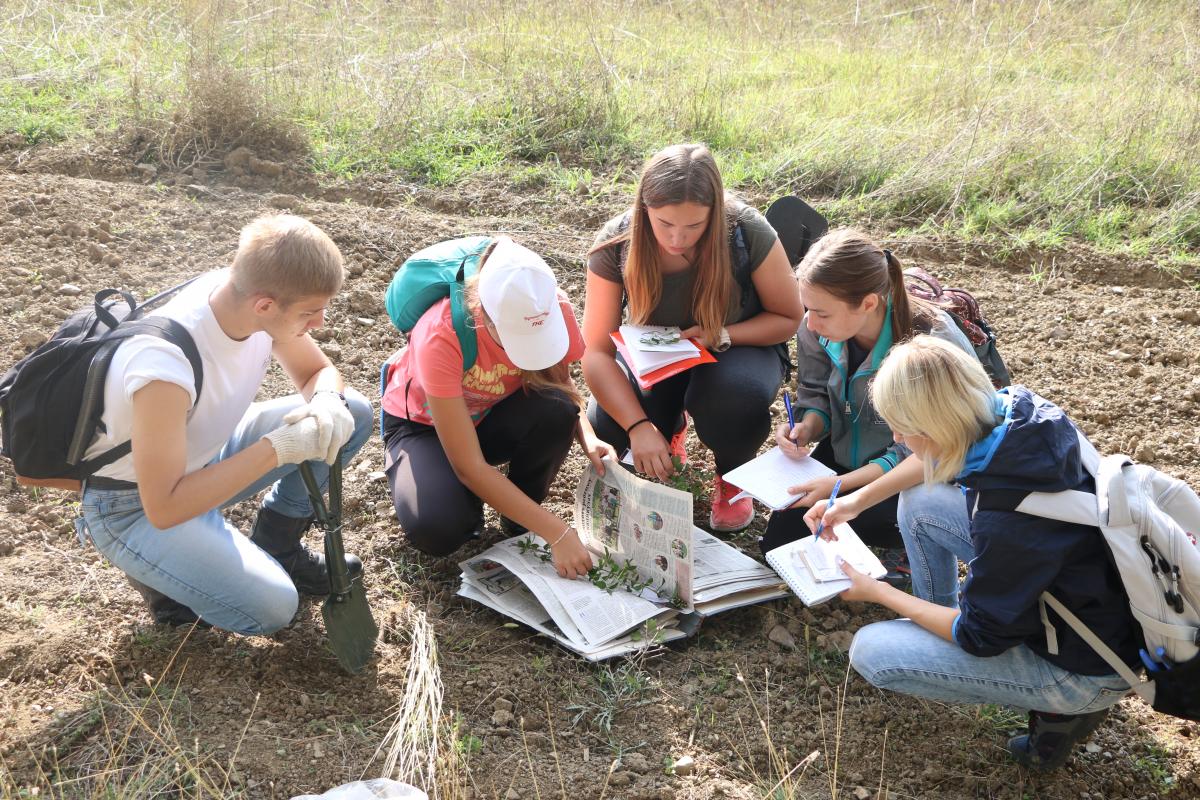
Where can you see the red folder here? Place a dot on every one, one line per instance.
(662, 373)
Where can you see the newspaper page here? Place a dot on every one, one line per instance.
(728, 578)
(586, 614)
(501, 591)
(645, 524)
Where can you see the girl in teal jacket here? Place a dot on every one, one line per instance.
(857, 308)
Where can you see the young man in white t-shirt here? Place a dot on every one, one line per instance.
(156, 513)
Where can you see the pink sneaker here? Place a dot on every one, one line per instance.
(726, 516)
(678, 443)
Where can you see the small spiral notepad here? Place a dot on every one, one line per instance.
(795, 562)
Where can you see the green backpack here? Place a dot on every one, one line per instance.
(427, 276)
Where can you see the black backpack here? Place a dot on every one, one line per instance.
(51, 400)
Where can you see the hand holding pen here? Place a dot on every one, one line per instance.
(829, 507)
(792, 438)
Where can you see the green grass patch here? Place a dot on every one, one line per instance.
(995, 120)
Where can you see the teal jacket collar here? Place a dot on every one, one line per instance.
(837, 350)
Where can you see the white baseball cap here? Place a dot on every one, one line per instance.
(520, 295)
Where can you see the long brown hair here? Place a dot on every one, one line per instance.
(849, 265)
(681, 173)
(554, 378)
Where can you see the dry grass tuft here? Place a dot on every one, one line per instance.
(419, 747)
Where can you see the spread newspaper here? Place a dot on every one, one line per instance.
(656, 574)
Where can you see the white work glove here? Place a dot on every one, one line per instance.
(335, 420)
(299, 441)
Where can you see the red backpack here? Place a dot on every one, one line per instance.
(963, 308)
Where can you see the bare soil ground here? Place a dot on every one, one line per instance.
(727, 714)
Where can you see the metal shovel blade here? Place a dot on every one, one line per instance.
(349, 626)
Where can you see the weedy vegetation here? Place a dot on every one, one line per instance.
(1024, 122)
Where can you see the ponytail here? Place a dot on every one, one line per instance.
(902, 313)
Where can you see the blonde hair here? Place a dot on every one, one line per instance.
(850, 265)
(286, 257)
(929, 387)
(553, 378)
(681, 173)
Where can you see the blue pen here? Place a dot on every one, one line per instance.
(832, 497)
(1161, 652)
(787, 403)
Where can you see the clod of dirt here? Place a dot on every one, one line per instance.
(502, 719)
(636, 762)
(69, 289)
(288, 202)
(270, 169)
(838, 640)
(782, 637)
(238, 159)
(620, 779)
(1145, 453)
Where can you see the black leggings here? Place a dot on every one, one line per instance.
(876, 526)
(531, 432)
(729, 401)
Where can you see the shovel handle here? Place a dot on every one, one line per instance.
(331, 520)
(314, 494)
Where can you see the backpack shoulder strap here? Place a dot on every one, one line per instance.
(93, 388)
(1071, 505)
(1145, 689)
(741, 258)
(459, 313)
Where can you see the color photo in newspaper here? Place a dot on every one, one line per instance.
(643, 523)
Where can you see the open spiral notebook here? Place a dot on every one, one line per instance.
(809, 566)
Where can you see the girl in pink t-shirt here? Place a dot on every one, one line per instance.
(446, 430)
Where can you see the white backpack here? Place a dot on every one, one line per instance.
(1150, 522)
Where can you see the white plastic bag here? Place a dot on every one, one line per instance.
(375, 789)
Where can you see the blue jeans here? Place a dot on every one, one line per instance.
(937, 535)
(901, 656)
(206, 563)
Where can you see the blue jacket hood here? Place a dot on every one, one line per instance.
(1034, 447)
